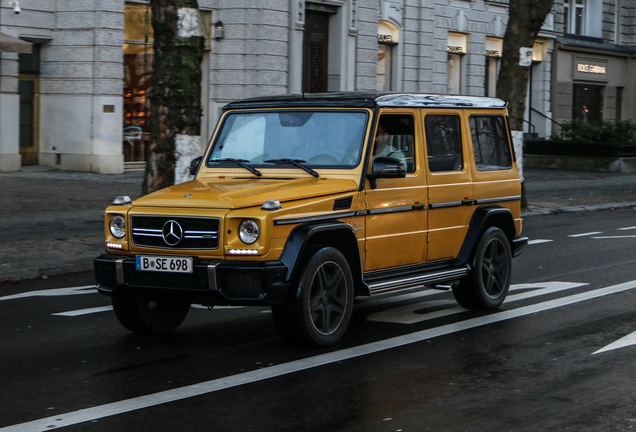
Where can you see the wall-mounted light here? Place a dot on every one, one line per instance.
(16, 6)
(219, 33)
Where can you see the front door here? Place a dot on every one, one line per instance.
(28, 88)
(315, 56)
(396, 208)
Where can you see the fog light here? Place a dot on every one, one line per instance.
(114, 245)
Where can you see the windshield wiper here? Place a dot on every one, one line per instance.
(241, 163)
(296, 162)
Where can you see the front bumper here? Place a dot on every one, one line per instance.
(211, 282)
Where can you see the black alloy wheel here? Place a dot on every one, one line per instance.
(142, 314)
(488, 284)
(319, 310)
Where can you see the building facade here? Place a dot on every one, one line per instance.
(593, 61)
(79, 100)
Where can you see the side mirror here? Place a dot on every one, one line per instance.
(385, 167)
(194, 165)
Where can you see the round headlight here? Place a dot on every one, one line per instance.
(248, 231)
(118, 226)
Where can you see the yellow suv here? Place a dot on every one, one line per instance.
(303, 202)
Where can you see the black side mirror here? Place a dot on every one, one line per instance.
(194, 165)
(385, 167)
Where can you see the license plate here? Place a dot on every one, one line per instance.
(163, 264)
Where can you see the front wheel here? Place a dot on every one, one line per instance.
(488, 284)
(142, 314)
(319, 310)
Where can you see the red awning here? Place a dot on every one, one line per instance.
(14, 45)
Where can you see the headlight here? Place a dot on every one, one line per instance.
(248, 231)
(118, 226)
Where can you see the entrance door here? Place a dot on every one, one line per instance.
(315, 47)
(29, 90)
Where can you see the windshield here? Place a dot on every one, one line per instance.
(267, 139)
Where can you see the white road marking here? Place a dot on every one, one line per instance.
(84, 311)
(586, 234)
(615, 237)
(626, 341)
(627, 228)
(409, 315)
(538, 241)
(87, 289)
(180, 393)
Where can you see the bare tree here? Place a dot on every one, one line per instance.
(525, 19)
(175, 97)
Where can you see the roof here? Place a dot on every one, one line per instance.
(369, 100)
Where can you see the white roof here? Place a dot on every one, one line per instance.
(428, 100)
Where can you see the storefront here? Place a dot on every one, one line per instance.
(592, 80)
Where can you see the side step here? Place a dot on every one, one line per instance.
(438, 278)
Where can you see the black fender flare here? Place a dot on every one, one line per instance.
(484, 217)
(337, 234)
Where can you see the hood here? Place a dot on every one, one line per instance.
(240, 193)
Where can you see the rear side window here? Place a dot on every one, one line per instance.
(444, 143)
(490, 143)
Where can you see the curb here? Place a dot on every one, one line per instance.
(577, 209)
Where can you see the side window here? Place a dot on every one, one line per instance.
(490, 143)
(444, 143)
(395, 138)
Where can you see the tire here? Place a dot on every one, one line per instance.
(142, 314)
(318, 309)
(487, 286)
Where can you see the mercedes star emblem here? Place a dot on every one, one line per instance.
(172, 233)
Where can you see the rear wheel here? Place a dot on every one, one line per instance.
(143, 314)
(488, 284)
(319, 309)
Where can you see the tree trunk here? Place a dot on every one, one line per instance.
(175, 97)
(525, 18)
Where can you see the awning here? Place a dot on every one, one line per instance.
(14, 45)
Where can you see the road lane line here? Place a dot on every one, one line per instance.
(79, 312)
(408, 314)
(615, 237)
(86, 289)
(538, 241)
(586, 234)
(623, 342)
(627, 228)
(134, 404)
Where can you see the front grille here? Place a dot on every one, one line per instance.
(188, 233)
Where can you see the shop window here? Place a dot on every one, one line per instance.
(491, 147)
(587, 103)
(493, 63)
(138, 54)
(443, 143)
(456, 49)
(388, 37)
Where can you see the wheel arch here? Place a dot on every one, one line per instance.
(338, 235)
(483, 218)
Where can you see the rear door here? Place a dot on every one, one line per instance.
(450, 190)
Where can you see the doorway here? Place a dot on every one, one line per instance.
(315, 52)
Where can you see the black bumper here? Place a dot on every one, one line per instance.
(211, 282)
(519, 244)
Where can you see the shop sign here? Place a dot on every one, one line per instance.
(455, 50)
(590, 69)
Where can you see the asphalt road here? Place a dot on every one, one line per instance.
(558, 355)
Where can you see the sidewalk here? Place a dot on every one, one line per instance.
(53, 221)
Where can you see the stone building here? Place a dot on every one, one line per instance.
(593, 60)
(79, 100)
